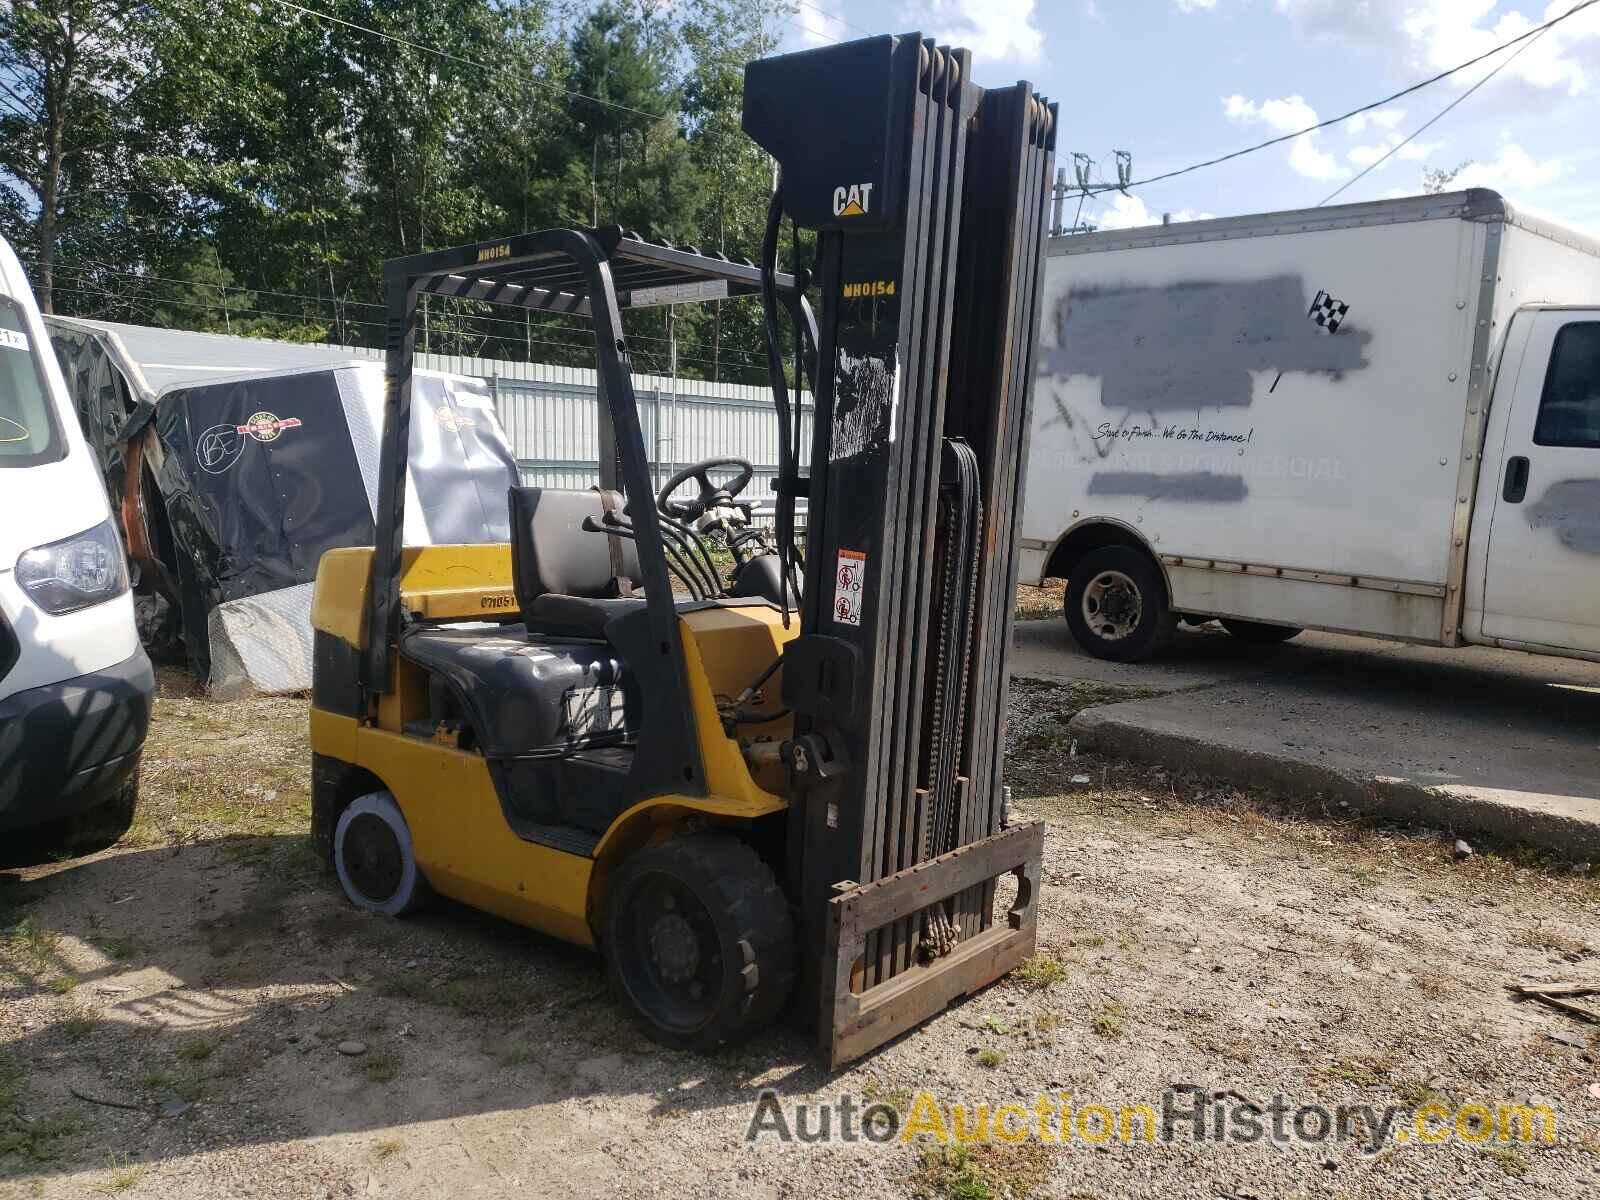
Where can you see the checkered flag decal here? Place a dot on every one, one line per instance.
(1328, 312)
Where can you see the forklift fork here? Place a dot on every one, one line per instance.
(856, 1018)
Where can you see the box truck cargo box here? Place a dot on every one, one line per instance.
(1377, 418)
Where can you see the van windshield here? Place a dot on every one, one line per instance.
(28, 433)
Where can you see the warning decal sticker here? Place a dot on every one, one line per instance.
(10, 339)
(847, 586)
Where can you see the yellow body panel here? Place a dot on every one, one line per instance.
(439, 582)
(725, 650)
(463, 843)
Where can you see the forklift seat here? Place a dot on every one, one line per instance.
(561, 572)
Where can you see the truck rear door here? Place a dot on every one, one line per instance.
(1542, 576)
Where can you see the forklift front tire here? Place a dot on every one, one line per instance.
(698, 941)
(373, 854)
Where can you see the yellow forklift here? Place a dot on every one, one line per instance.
(765, 789)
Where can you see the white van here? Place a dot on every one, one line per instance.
(75, 684)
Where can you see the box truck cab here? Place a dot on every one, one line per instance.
(1379, 419)
(75, 685)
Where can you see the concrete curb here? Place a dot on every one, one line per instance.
(1122, 730)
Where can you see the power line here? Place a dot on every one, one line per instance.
(471, 62)
(833, 16)
(1423, 128)
(1355, 112)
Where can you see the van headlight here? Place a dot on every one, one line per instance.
(87, 568)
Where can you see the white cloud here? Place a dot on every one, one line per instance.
(1436, 34)
(1366, 155)
(1195, 5)
(1291, 113)
(1513, 170)
(1378, 118)
(1127, 212)
(994, 30)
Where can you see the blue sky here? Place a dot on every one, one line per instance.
(1178, 81)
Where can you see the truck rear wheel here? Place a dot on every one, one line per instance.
(1259, 633)
(698, 940)
(1116, 604)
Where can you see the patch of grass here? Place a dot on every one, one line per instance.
(30, 950)
(387, 1147)
(1128, 939)
(516, 1054)
(1415, 1094)
(119, 949)
(1110, 1020)
(196, 1049)
(1089, 941)
(874, 1092)
(166, 1085)
(1552, 939)
(121, 1175)
(78, 1021)
(62, 984)
(949, 1171)
(1040, 971)
(995, 1025)
(381, 1067)
(1040, 603)
(991, 1058)
(1513, 1161)
(36, 1141)
(985, 1171)
(1046, 1023)
(1365, 1071)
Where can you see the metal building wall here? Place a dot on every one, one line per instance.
(549, 418)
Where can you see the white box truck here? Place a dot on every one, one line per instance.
(1379, 419)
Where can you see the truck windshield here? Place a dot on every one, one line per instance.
(28, 432)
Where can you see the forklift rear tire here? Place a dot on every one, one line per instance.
(373, 854)
(1116, 605)
(698, 941)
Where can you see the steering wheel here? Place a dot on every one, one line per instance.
(711, 494)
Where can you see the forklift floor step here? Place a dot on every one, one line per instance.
(566, 838)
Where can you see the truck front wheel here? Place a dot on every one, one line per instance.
(1116, 605)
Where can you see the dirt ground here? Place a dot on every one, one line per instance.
(174, 1009)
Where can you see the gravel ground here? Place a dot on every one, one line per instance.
(197, 1013)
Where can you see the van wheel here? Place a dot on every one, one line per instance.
(1116, 605)
(373, 855)
(698, 940)
(1259, 633)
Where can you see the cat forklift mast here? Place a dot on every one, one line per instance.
(779, 787)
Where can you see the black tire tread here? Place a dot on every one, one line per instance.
(750, 895)
(1159, 625)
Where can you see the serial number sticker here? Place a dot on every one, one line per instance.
(847, 585)
(10, 339)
